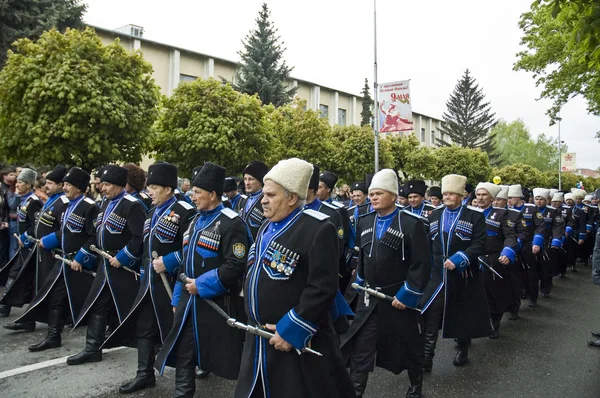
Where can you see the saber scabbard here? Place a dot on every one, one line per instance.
(163, 277)
(69, 263)
(373, 292)
(490, 267)
(107, 256)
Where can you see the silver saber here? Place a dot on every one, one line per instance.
(31, 238)
(373, 292)
(163, 277)
(108, 257)
(69, 263)
(489, 267)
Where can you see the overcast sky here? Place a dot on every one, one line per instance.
(330, 42)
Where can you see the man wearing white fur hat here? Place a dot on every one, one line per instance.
(454, 299)
(291, 283)
(545, 246)
(564, 257)
(394, 258)
(592, 224)
(500, 253)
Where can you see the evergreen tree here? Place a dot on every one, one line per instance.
(29, 18)
(262, 70)
(367, 105)
(468, 120)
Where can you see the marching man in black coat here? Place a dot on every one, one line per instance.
(454, 299)
(394, 259)
(119, 227)
(151, 315)
(290, 286)
(63, 293)
(415, 191)
(250, 207)
(215, 250)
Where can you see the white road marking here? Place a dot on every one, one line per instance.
(42, 365)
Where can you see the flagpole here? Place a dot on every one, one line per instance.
(375, 89)
(559, 157)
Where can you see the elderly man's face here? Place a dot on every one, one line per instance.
(452, 200)
(570, 202)
(358, 197)
(484, 199)
(435, 201)
(276, 205)
(111, 190)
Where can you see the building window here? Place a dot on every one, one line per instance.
(432, 137)
(342, 117)
(187, 78)
(422, 134)
(324, 109)
(442, 137)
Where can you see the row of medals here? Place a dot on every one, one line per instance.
(280, 255)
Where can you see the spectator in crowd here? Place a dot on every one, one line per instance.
(9, 179)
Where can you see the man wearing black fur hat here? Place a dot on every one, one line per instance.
(251, 209)
(119, 229)
(63, 293)
(415, 190)
(136, 179)
(234, 199)
(47, 222)
(151, 316)
(435, 196)
(215, 251)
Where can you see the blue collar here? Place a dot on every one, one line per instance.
(389, 216)
(542, 209)
(119, 196)
(26, 196)
(419, 209)
(73, 202)
(519, 207)
(329, 200)
(161, 208)
(276, 226)
(447, 209)
(205, 213)
(53, 199)
(314, 205)
(255, 194)
(487, 211)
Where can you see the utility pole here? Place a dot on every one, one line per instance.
(376, 89)
(559, 157)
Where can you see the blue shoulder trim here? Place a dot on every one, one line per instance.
(209, 285)
(409, 297)
(295, 330)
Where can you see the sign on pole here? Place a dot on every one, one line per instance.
(568, 161)
(395, 112)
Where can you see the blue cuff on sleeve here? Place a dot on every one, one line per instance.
(125, 257)
(588, 227)
(556, 243)
(209, 285)
(295, 330)
(509, 252)
(519, 244)
(460, 260)
(172, 261)
(569, 231)
(50, 241)
(538, 240)
(409, 297)
(28, 244)
(176, 293)
(85, 258)
(582, 236)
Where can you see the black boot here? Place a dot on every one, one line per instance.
(359, 380)
(496, 318)
(145, 373)
(55, 327)
(202, 374)
(24, 327)
(415, 376)
(5, 309)
(430, 343)
(462, 356)
(185, 382)
(93, 340)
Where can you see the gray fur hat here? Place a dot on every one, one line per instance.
(28, 176)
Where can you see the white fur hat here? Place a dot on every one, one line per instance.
(454, 183)
(515, 191)
(558, 197)
(552, 192)
(385, 179)
(578, 193)
(569, 196)
(543, 192)
(292, 174)
(588, 198)
(492, 189)
(503, 194)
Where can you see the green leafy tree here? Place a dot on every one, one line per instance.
(472, 163)
(562, 40)
(29, 18)
(205, 120)
(299, 133)
(367, 105)
(520, 173)
(515, 145)
(468, 120)
(354, 152)
(67, 98)
(263, 70)
(410, 158)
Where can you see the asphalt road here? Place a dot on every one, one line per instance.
(544, 354)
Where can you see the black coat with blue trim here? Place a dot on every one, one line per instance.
(554, 228)
(293, 284)
(144, 199)
(533, 225)
(254, 216)
(165, 238)
(466, 312)
(119, 231)
(399, 265)
(215, 251)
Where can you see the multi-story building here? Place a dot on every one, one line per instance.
(173, 65)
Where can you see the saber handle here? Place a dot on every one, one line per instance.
(69, 263)
(107, 256)
(31, 238)
(373, 292)
(490, 267)
(163, 277)
(264, 334)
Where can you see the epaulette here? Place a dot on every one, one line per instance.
(185, 205)
(329, 205)
(143, 195)
(244, 196)
(515, 210)
(34, 197)
(351, 209)
(550, 207)
(130, 198)
(338, 204)
(90, 201)
(64, 199)
(565, 206)
(229, 212)
(529, 204)
(498, 208)
(475, 208)
(414, 215)
(316, 214)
